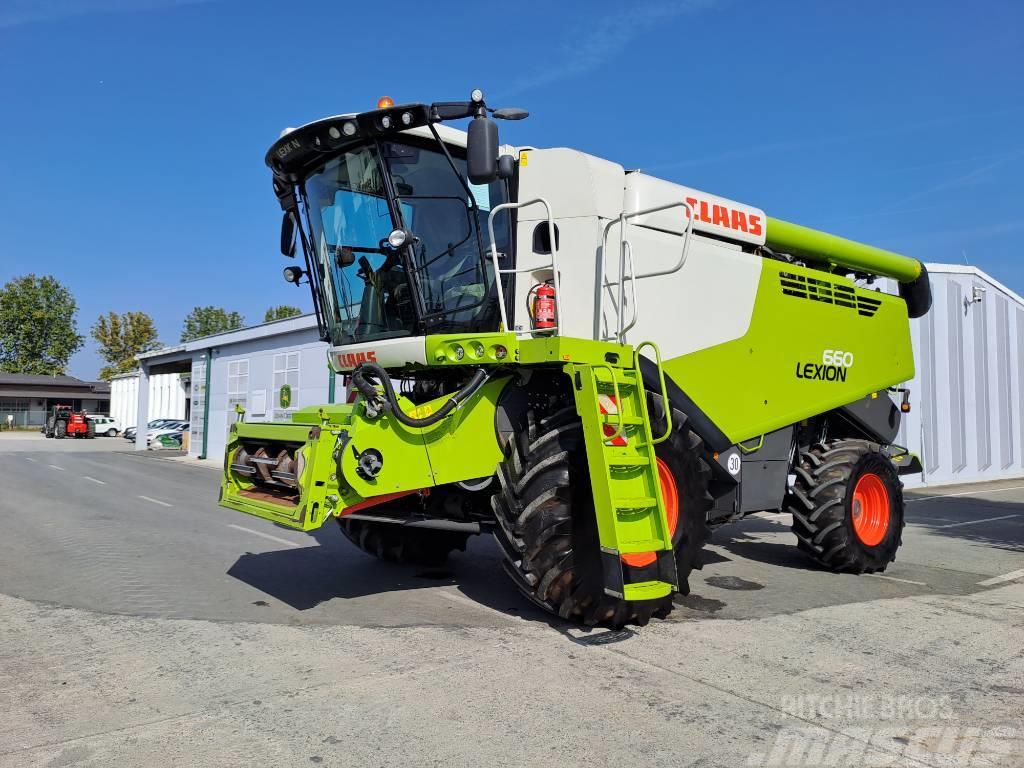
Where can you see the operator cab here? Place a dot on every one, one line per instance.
(392, 218)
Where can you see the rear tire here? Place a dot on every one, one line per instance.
(847, 506)
(547, 526)
(396, 544)
(111, 433)
(60, 430)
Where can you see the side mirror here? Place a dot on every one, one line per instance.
(288, 235)
(293, 274)
(482, 150)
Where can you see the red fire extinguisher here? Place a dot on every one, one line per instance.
(544, 306)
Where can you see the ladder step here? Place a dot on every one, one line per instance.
(636, 502)
(639, 545)
(628, 461)
(612, 420)
(647, 590)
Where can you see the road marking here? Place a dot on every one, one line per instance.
(1011, 576)
(156, 501)
(28, 459)
(901, 581)
(262, 534)
(965, 493)
(974, 522)
(54, 466)
(94, 480)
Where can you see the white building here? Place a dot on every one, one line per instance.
(967, 399)
(967, 416)
(168, 397)
(246, 367)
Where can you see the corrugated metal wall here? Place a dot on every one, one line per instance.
(967, 398)
(167, 398)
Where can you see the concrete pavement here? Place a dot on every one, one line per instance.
(143, 625)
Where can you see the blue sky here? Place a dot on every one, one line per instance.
(133, 131)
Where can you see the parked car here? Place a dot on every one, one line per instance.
(129, 433)
(170, 428)
(105, 425)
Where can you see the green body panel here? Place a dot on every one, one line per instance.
(759, 382)
(331, 436)
(823, 247)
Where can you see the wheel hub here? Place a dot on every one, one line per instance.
(870, 509)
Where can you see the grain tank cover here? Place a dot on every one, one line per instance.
(712, 214)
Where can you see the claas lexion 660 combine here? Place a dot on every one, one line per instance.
(595, 365)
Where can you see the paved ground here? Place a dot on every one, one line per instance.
(143, 625)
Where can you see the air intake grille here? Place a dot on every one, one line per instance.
(814, 289)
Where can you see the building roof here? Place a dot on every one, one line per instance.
(250, 333)
(31, 380)
(29, 385)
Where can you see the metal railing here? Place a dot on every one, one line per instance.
(498, 271)
(626, 254)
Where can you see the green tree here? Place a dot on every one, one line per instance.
(38, 331)
(121, 338)
(281, 312)
(205, 321)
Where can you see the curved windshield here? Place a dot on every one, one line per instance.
(441, 283)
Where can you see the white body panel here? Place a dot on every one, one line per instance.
(389, 353)
(709, 301)
(712, 214)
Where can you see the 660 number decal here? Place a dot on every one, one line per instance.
(834, 366)
(837, 357)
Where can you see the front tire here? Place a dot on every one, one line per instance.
(847, 506)
(548, 530)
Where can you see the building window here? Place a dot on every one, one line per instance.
(238, 383)
(286, 375)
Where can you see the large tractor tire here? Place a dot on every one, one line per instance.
(60, 429)
(90, 431)
(395, 543)
(548, 530)
(847, 506)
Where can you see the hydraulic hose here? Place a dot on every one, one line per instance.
(364, 373)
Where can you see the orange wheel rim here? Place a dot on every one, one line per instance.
(669, 495)
(870, 509)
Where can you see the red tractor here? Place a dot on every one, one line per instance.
(64, 421)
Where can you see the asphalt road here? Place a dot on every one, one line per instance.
(142, 624)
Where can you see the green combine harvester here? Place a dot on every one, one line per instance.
(595, 365)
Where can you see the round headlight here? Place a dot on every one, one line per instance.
(385, 122)
(459, 351)
(407, 118)
(397, 238)
(349, 129)
(477, 95)
(334, 132)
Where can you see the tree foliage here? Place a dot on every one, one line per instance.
(38, 330)
(121, 338)
(281, 312)
(205, 321)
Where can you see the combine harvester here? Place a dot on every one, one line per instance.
(594, 364)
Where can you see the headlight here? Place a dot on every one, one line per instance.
(398, 238)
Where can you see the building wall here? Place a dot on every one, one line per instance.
(244, 374)
(967, 396)
(167, 398)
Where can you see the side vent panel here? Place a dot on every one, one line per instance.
(814, 289)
